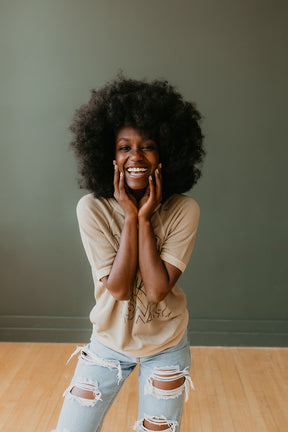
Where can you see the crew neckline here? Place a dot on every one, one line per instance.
(117, 207)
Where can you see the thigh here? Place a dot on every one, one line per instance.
(97, 380)
(163, 382)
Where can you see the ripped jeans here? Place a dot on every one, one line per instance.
(163, 382)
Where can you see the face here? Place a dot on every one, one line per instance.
(137, 156)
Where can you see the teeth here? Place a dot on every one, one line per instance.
(137, 169)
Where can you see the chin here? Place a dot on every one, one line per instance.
(137, 185)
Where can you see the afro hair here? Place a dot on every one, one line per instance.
(154, 108)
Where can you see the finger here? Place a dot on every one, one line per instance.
(147, 192)
(116, 179)
(121, 183)
(159, 170)
(158, 181)
(151, 189)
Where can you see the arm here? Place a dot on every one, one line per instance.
(121, 277)
(158, 276)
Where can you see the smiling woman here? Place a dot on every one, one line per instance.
(138, 231)
(158, 113)
(136, 157)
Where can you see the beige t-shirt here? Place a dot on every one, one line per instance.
(137, 327)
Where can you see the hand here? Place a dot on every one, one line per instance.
(152, 196)
(125, 199)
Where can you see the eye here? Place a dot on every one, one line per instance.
(124, 148)
(149, 145)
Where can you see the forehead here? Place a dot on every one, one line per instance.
(131, 133)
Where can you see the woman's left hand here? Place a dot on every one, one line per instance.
(152, 196)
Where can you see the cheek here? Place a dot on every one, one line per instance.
(119, 161)
(156, 161)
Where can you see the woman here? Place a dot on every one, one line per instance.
(138, 147)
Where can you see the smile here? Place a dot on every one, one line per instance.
(137, 173)
(137, 170)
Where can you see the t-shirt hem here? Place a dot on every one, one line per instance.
(144, 352)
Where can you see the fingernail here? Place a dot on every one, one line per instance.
(157, 171)
(121, 174)
(160, 165)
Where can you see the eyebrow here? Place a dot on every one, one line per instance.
(128, 139)
(122, 138)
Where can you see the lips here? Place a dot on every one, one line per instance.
(137, 171)
(140, 169)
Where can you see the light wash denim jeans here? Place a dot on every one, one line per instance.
(101, 371)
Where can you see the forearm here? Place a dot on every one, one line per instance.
(153, 271)
(121, 277)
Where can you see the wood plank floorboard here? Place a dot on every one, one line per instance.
(236, 389)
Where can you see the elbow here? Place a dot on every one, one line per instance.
(119, 293)
(123, 296)
(156, 297)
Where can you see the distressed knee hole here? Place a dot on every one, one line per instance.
(168, 382)
(89, 357)
(85, 393)
(155, 424)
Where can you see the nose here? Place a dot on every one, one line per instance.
(136, 154)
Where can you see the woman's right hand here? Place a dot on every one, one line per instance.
(126, 200)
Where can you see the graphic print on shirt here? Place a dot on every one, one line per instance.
(140, 310)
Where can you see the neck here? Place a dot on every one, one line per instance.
(138, 194)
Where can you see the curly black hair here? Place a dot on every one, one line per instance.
(156, 109)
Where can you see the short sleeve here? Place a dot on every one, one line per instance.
(97, 239)
(181, 233)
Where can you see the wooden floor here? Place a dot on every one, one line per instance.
(236, 389)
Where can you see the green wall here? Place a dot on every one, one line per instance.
(228, 56)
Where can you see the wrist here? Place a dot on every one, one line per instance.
(131, 218)
(143, 219)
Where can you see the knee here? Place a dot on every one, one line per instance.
(168, 383)
(155, 424)
(168, 379)
(85, 392)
